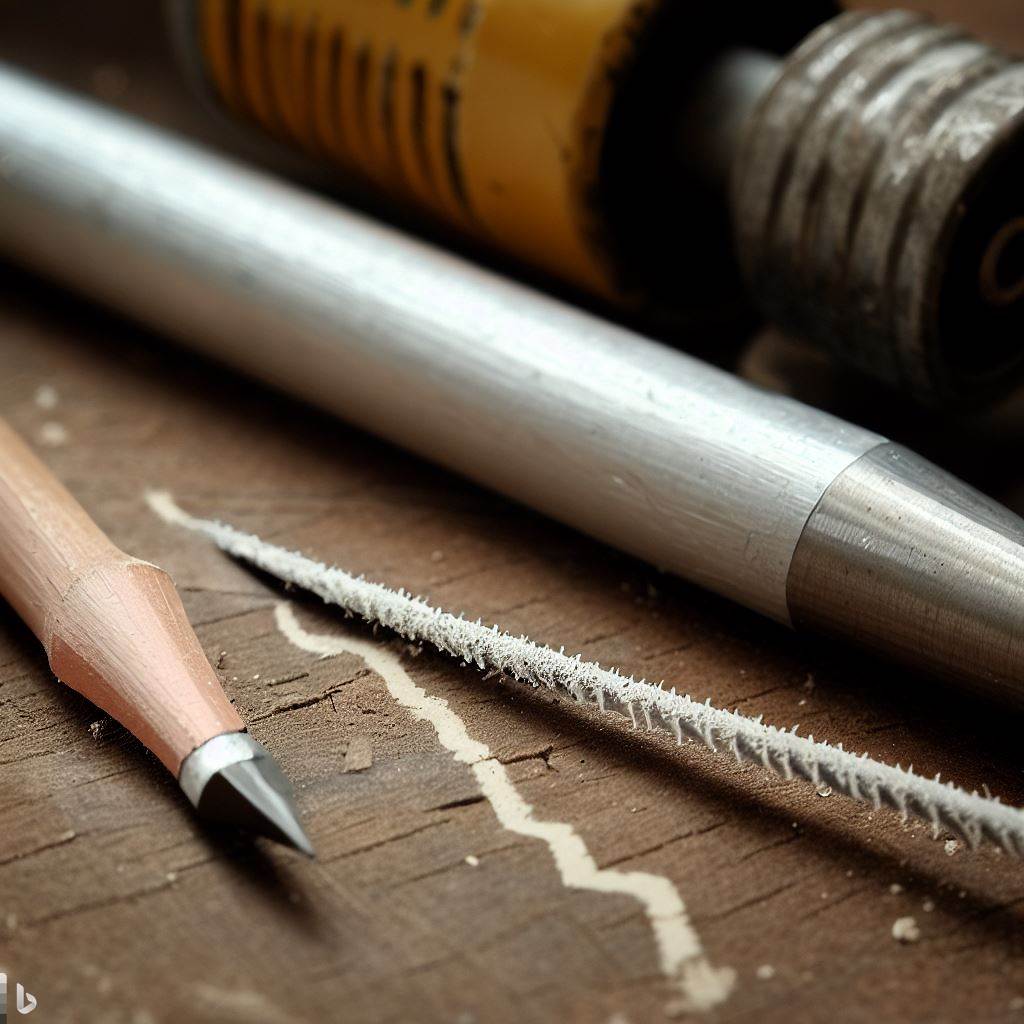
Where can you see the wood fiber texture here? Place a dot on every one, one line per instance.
(117, 905)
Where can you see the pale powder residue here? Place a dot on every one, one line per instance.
(46, 396)
(242, 1005)
(53, 434)
(164, 505)
(680, 953)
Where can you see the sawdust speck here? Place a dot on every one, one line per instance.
(905, 930)
(46, 396)
(53, 434)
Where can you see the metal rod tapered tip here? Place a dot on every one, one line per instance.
(900, 557)
(232, 780)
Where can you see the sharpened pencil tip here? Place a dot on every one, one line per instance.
(255, 795)
(233, 780)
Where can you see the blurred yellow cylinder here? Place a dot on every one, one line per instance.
(489, 114)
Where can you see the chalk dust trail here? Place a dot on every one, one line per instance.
(680, 953)
(970, 816)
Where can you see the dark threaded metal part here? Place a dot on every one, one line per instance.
(878, 208)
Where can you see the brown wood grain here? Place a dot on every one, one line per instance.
(117, 905)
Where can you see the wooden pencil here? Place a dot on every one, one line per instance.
(114, 629)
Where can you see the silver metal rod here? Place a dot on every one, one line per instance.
(630, 441)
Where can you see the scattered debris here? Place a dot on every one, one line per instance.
(928, 906)
(473, 862)
(951, 846)
(437, 556)
(895, 889)
(905, 930)
(765, 972)
(823, 790)
(97, 728)
(359, 755)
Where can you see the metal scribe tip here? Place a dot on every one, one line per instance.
(232, 780)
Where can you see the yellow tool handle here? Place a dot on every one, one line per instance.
(426, 100)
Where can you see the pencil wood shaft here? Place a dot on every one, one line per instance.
(112, 626)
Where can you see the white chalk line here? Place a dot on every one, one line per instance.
(680, 954)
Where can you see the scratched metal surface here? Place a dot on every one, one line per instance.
(704, 474)
(116, 905)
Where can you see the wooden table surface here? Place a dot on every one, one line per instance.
(117, 906)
